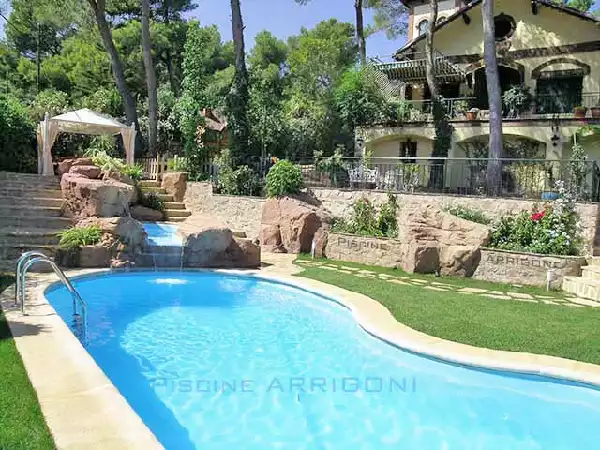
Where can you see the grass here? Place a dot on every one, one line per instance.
(555, 330)
(22, 425)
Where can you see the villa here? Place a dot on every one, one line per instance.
(551, 49)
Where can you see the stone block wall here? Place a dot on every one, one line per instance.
(502, 266)
(364, 250)
(237, 212)
(339, 202)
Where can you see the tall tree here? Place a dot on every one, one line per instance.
(237, 100)
(494, 172)
(390, 16)
(429, 66)
(360, 31)
(150, 79)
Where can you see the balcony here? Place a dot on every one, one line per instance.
(543, 107)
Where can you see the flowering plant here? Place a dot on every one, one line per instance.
(553, 231)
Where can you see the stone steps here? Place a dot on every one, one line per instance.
(33, 236)
(173, 213)
(30, 192)
(174, 205)
(591, 272)
(13, 252)
(58, 223)
(584, 288)
(166, 198)
(155, 189)
(32, 201)
(16, 210)
(176, 219)
(148, 183)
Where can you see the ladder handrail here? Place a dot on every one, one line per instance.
(25, 256)
(65, 280)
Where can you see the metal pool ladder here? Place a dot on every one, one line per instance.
(27, 260)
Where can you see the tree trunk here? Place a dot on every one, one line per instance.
(115, 62)
(360, 31)
(494, 172)
(429, 57)
(238, 95)
(150, 80)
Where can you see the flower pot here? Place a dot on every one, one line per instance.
(595, 112)
(580, 113)
(471, 115)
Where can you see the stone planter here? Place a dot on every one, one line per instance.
(87, 257)
(503, 266)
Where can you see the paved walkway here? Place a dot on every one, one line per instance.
(559, 298)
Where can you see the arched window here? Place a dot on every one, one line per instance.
(504, 26)
(423, 26)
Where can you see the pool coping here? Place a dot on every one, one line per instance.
(84, 410)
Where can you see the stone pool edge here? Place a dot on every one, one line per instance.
(81, 406)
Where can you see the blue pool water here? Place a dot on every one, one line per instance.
(162, 234)
(229, 362)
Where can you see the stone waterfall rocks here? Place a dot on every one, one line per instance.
(86, 197)
(175, 183)
(290, 224)
(211, 244)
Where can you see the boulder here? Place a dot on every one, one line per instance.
(290, 224)
(102, 198)
(145, 214)
(175, 184)
(435, 241)
(65, 165)
(91, 172)
(209, 243)
(126, 230)
(115, 175)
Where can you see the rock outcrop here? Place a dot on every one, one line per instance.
(175, 183)
(85, 197)
(65, 165)
(91, 172)
(290, 224)
(122, 243)
(145, 214)
(208, 243)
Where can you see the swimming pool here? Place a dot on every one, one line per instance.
(162, 234)
(213, 361)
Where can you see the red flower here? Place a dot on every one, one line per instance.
(538, 216)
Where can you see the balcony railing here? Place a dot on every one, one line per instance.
(543, 106)
(520, 178)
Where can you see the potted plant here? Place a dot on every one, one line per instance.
(580, 112)
(595, 111)
(461, 107)
(517, 100)
(472, 114)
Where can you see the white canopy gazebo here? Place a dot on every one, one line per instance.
(83, 121)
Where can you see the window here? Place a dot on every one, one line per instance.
(408, 149)
(558, 94)
(505, 27)
(423, 26)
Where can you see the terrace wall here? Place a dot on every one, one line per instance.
(244, 213)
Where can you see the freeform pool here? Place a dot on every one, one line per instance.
(236, 362)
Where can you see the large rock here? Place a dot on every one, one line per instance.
(290, 224)
(211, 244)
(91, 172)
(146, 214)
(435, 241)
(175, 184)
(124, 229)
(65, 165)
(102, 198)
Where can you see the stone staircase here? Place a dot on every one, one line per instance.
(587, 286)
(30, 216)
(174, 211)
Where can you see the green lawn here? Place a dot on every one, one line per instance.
(572, 333)
(22, 425)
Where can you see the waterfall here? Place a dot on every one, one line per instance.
(164, 245)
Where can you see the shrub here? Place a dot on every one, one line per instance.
(366, 222)
(135, 172)
(474, 215)
(17, 137)
(241, 181)
(152, 200)
(553, 230)
(284, 178)
(103, 160)
(78, 237)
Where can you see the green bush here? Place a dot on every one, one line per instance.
(366, 222)
(103, 160)
(553, 230)
(135, 172)
(78, 237)
(284, 178)
(474, 215)
(17, 137)
(241, 181)
(152, 200)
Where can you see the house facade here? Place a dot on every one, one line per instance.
(552, 50)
